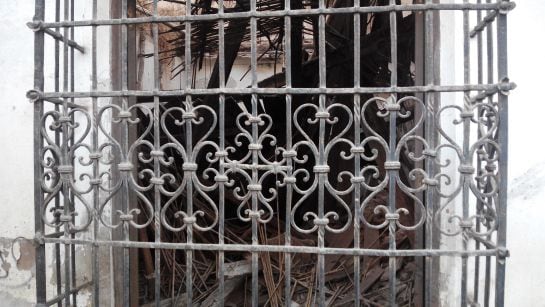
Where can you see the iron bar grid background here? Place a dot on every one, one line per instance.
(82, 168)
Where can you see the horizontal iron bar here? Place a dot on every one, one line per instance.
(34, 95)
(275, 248)
(503, 6)
(283, 91)
(60, 297)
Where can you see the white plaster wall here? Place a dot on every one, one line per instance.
(16, 133)
(16, 179)
(525, 232)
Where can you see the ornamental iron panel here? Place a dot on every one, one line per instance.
(317, 158)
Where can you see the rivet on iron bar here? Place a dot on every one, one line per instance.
(39, 238)
(125, 166)
(188, 220)
(391, 216)
(220, 154)
(290, 180)
(430, 182)
(254, 187)
(503, 252)
(321, 222)
(289, 154)
(95, 155)
(464, 115)
(95, 182)
(156, 153)
(392, 165)
(466, 224)
(189, 167)
(505, 86)
(322, 114)
(221, 178)
(357, 150)
(65, 169)
(321, 169)
(157, 181)
(429, 153)
(392, 107)
(490, 167)
(359, 179)
(126, 217)
(256, 147)
(188, 115)
(505, 6)
(466, 169)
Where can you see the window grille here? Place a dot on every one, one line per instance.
(110, 161)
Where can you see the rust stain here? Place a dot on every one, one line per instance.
(27, 254)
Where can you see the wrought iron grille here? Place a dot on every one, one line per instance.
(332, 160)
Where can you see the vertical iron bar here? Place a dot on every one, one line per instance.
(221, 183)
(321, 152)
(479, 161)
(57, 141)
(357, 166)
(72, 198)
(39, 15)
(430, 133)
(490, 80)
(392, 173)
(465, 152)
(255, 157)
(125, 146)
(96, 161)
(503, 139)
(65, 159)
(289, 162)
(189, 148)
(156, 166)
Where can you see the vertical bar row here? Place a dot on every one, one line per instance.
(392, 172)
(503, 139)
(39, 15)
(156, 165)
(357, 159)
